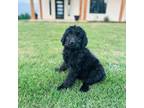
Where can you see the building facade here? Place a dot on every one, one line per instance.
(84, 10)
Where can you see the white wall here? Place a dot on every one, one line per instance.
(67, 9)
(113, 9)
(45, 8)
(37, 9)
(52, 9)
(74, 9)
(94, 16)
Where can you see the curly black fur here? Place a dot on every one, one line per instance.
(78, 60)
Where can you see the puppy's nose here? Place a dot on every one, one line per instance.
(71, 43)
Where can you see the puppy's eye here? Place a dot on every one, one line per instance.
(78, 33)
(70, 32)
(79, 39)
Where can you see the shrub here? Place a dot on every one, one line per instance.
(24, 16)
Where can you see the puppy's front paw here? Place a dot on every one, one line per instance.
(60, 87)
(84, 88)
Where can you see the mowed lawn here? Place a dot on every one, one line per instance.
(40, 51)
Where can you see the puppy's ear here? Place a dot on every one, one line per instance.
(82, 33)
(64, 36)
(63, 39)
(84, 40)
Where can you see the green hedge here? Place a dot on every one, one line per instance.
(24, 16)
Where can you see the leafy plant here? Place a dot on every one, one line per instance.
(24, 16)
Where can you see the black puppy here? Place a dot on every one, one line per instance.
(78, 60)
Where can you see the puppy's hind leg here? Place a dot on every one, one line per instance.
(93, 78)
(84, 87)
(87, 82)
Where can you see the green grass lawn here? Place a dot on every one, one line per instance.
(40, 51)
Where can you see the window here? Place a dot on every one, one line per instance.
(50, 7)
(98, 6)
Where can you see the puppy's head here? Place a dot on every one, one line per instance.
(74, 38)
